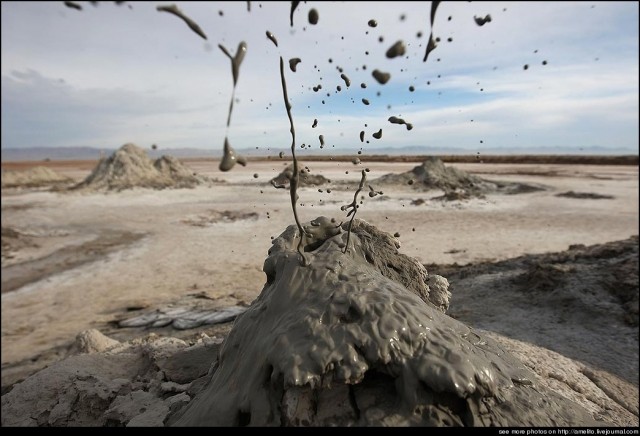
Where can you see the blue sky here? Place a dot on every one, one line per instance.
(112, 74)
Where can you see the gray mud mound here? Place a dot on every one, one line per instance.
(175, 170)
(306, 177)
(111, 384)
(130, 167)
(457, 184)
(36, 177)
(343, 341)
(585, 299)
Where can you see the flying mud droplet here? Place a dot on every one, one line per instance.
(396, 120)
(313, 17)
(525, 67)
(378, 134)
(272, 38)
(173, 9)
(397, 49)
(372, 23)
(281, 154)
(346, 80)
(229, 158)
(363, 85)
(373, 192)
(410, 182)
(294, 5)
(480, 21)
(73, 5)
(365, 101)
(315, 123)
(321, 138)
(431, 45)
(248, 6)
(356, 161)
(544, 62)
(362, 136)
(380, 76)
(396, 235)
(293, 63)
(412, 88)
(255, 175)
(236, 60)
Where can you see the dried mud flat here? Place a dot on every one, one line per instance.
(90, 260)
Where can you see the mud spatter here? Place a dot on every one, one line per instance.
(397, 49)
(313, 17)
(366, 334)
(272, 38)
(378, 134)
(347, 81)
(321, 138)
(73, 5)
(373, 192)
(294, 5)
(315, 123)
(396, 120)
(173, 9)
(365, 102)
(293, 64)
(431, 45)
(372, 23)
(229, 158)
(380, 76)
(362, 136)
(480, 21)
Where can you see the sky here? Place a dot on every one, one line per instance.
(110, 74)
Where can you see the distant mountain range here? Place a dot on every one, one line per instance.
(90, 153)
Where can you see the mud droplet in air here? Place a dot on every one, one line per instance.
(315, 123)
(380, 76)
(396, 120)
(431, 45)
(397, 49)
(372, 23)
(378, 134)
(293, 63)
(362, 136)
(73, 5)
(365, 101)
(173, 9)
(294, 5)
(480, 21)
(313, 17)
(272, 38)
(346, 80)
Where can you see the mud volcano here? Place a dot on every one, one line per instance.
(306, 178)
(457, 184)
(362, 339)
(130, 167)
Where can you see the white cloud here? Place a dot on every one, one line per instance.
(142, 75)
